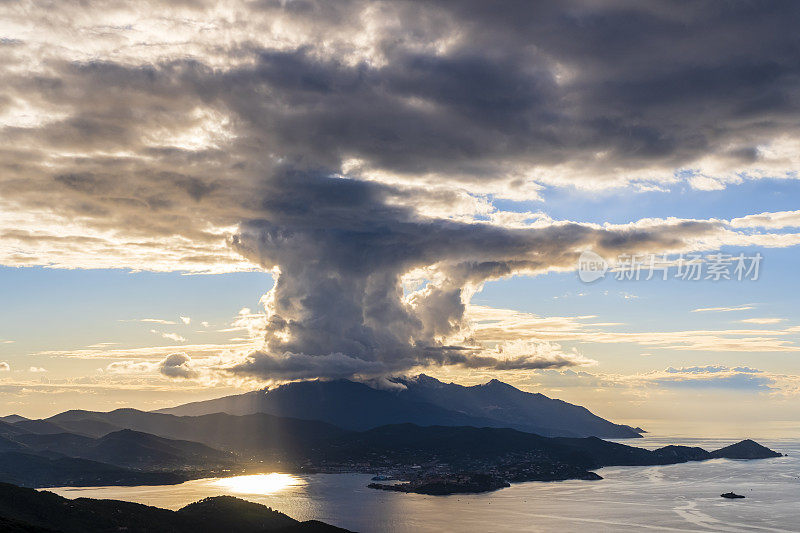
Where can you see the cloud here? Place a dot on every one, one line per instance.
(763, 320)
(709, 377)
(741, 378)
(704, 183)
(592, 95)
(37, 369)
(178, 365)
(130, 156)
(186, 320)
(339, 270)
(4, 367)
(303, 366)
(711, 369)
(491, 326)
(779, 220)
(735, 381)
(157, 321)
(129, 367)
(722, 309)
(171, 336)
(347, 147)
(746, 370)
(102, 345)
(149, 352)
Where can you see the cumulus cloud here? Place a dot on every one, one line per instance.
(779, 220)
(339, 252)
(178, 365)
(4, 367)
(37, 369)
(347, 147)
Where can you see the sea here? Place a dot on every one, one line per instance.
(683, 497)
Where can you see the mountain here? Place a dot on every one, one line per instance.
(746, 449)
(10, 445)
(123, 457)
(11, 419)
(423, 401)
(346, 404)
(137, 449)
(181, 450)
(526, 411)
(59, 443)
(409, 444)
(28, 510)
(82, 422)
(9, 430)
(41, 427)
(128, 448)
(39, 471)
(245, 434)
(79, 425)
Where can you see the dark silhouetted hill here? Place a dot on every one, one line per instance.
(257, 432)
(40, 471)
(424, 401)
(125, 448)
(158, 448)
(28, 510)
(526, 411)
(746, 449)
(11, 419)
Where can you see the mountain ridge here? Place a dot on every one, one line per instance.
(172, 453)
(422, 400)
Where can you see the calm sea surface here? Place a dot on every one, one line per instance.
(681, 497)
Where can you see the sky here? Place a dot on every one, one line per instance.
(201, 198)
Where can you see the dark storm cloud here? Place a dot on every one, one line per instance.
(342, 252)
(327, 138)
(648, 85)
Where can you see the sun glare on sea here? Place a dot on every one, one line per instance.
(259, 483)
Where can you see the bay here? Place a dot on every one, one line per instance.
(683, 497)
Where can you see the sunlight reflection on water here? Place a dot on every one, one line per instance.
(259, 483)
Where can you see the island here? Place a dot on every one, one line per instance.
(731, 496)
(574, 461)
(447, 484)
